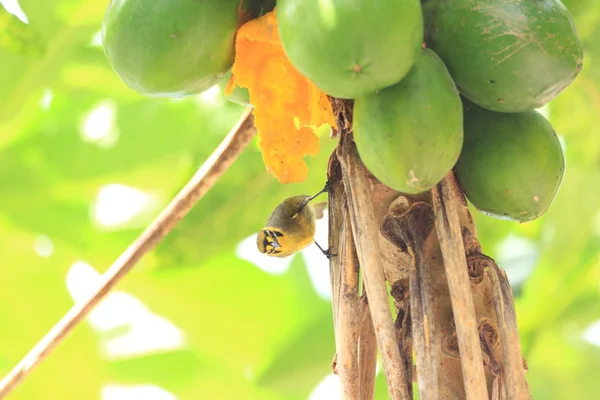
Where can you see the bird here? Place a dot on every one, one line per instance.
(291, 226)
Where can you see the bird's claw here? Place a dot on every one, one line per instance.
(329, 254)
(327, 187)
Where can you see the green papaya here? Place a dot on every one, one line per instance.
(505, 56)
(239, 95)
(349, 48)
(511, 165)
(173, 48)
(409, 135)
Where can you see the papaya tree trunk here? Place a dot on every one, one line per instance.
(452, 306)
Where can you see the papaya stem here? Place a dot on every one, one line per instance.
(453, 253)
(513, 370)
(418, 224)
(344, 287)
(365, 232)
(367, 356)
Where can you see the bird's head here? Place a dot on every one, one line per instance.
(268, 241)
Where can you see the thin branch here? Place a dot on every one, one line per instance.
(344, 281)
(452, 246)
(219, 161)
(365, 230)
(513, 370)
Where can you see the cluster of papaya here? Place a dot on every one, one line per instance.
(437, 84)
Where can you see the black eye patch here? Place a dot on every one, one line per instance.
(266, 242)
(273, 234)
(270, 239)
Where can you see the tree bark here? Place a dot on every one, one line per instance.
(452, 305)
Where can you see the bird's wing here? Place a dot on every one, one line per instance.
(319, 208)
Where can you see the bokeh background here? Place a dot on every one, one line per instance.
(86, 163)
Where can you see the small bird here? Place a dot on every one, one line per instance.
(291, 226)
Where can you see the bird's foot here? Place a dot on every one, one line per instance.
(327, 253)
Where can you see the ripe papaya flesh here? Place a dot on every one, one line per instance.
(239, 95)
(511, 165)
(352, 47)
(409, 135)
(506, 56)
(173, 48)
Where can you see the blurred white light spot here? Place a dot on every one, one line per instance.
(146, 333)
(43, 246)
(592, 334)
(545, 110)
(548, 232)
(327, 13)
(99, 121)
(13, 7)
(135, 392)
(316, 262)
(96, 39)
(210, 96)
(116, 204)
(99, 125)
(518, 256)
(328, 389)
(137, 341)
(81, 280)
(247, 250)
(249, 373)
(562, 142)
(46, 100)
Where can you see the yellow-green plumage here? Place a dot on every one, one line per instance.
(290, 227)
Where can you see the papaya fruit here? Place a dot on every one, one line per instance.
(173, 48)
(239, 95)
(409, 135)
(505, 56)
(349, 48)
(511, 165)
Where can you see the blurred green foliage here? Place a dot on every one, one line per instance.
(247, 334)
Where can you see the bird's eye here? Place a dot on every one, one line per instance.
(266, 243)
(278, 233)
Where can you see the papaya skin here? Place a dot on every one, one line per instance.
(505, 56)
(512, 165)
(409, 135)
(173, 48)
(351, 47)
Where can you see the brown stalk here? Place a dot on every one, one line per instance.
(417, 224)
(453, 252)
(367, 356)
(218, 162)
(365, 231)
(344, 280)
(513, 370)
